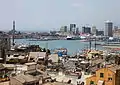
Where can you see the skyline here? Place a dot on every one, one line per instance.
(51, 15)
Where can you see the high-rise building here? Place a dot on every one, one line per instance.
(72, 27)
(108, 29)
(77, 31)
(86, 30)
(63, 29)
(94, 30)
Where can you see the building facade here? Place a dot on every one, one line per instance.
(116, 28)
(63, 29)
(86, 30)
(5, 45)
(72, 27)
(77, 31)
(94, 30)
(105, 76)
(108, 29)
(101, 33)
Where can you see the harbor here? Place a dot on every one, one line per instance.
(59, 42)
(58, 62)
(73, 46)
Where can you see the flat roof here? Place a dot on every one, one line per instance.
(32, 63)
(25, 78)
(57, 83)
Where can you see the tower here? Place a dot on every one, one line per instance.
(86, 30)
(13, 43)
(94, 30)
(108, 29)
(72, 28)
(77, 31)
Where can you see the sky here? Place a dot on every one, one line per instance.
(45, 15)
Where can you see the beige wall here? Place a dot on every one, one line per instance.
(31, 67)
(93, 78)
(107, 74)
(14, 82)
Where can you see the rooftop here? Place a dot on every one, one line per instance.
(97, 61)
(108, 21)
(25, 78)
(32, 63)
(57, 83)
(37, 54)
(114, 68)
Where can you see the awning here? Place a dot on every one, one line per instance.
(100, 82)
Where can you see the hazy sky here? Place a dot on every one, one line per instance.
(52, 14)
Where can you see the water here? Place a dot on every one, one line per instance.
(73, 46)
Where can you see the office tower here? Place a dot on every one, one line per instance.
(72, 27)
(94, 30)
(63, 29)
(108, 29)
(77, 31)
(86, 30)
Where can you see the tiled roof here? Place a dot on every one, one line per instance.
(25, 78)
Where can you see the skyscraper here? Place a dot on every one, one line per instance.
(72, 27)
(94, 30)
(77, 31)
(63, 29)
(108, 29)
(86, 30)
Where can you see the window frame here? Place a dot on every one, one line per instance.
(101, 75)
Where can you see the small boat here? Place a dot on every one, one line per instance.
(60, 51)
(69, 38)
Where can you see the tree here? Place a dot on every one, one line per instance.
(44, 50)
(108, 58)
(48, 51)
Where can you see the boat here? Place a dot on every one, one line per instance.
(60, 51)
(69, 38)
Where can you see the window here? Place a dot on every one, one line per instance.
(109, 79)
(8, 55)
(31, 58)
(16, 55)
(101, 75)
(91, 82)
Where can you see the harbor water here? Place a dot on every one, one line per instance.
(73, 46)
